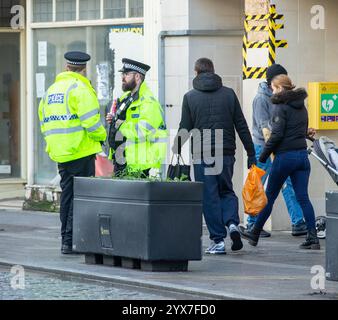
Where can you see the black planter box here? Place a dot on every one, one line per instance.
(155, 226)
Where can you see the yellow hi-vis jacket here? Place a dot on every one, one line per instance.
(145, 132)
(70, 118)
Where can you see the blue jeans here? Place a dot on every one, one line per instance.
(296, 165)
(220, 203)
(294, 210)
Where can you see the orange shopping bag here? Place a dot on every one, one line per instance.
(254, 197)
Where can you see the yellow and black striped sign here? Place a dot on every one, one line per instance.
(264, 17)
(265, 44)
(262, 28)
(254, 73)
(271, 44)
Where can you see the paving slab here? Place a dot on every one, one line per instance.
(275, 269)
(11, 204)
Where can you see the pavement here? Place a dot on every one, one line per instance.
(16, 203)
(274, 270)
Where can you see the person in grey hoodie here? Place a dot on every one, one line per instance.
(262, 115)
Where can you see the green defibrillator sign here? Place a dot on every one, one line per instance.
(329, 104)
(323, 105)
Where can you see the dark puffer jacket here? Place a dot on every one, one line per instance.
(212, 106)
(289, 123)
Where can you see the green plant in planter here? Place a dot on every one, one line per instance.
(128, 174)
(181, 179)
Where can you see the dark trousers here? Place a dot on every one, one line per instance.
(220, 203)
(84, 167)
(296, 165)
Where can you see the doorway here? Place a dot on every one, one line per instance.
(10, 162)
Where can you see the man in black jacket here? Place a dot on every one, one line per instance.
(211, 113)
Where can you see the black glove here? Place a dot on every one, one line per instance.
(251, 161)
(264, 156)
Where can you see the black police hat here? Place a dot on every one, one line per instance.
(132, 65)
(77, 58)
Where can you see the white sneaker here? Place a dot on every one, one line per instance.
(216, 248)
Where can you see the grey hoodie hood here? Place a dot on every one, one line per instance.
(262, 112)
(264, 88)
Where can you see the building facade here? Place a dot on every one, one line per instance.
(167, 34)
(34, 35)
(215, 29)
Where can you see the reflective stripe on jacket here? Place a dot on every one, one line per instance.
(145, 132)
(70, 118)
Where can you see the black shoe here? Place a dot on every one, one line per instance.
(252, 235)
(312, 241)
(66, 249)
(263, 234)
(299, 229)
(237, 243)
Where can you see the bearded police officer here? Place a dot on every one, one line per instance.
(137, 134)
(70, 122)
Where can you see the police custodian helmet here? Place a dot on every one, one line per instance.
(132, 65)
(77, 58)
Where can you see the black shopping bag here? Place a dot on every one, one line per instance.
(178, 170)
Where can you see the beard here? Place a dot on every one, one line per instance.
(129, 86)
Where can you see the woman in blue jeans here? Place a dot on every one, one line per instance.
(288, 143)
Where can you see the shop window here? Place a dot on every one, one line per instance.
(89, 10)
(43, 10)
(52, 44)
(107, 45)
(135, 8)
(65, 10)
(114, 9)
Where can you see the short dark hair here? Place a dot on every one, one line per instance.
(76, 68)
(204, 65)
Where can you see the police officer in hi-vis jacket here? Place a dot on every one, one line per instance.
(70, 121)
(137, 135)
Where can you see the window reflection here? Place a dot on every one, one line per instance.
(115, 9)
(89, 9)
(65, 10)
(60, 41)
(135, 8)
(43, 10)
